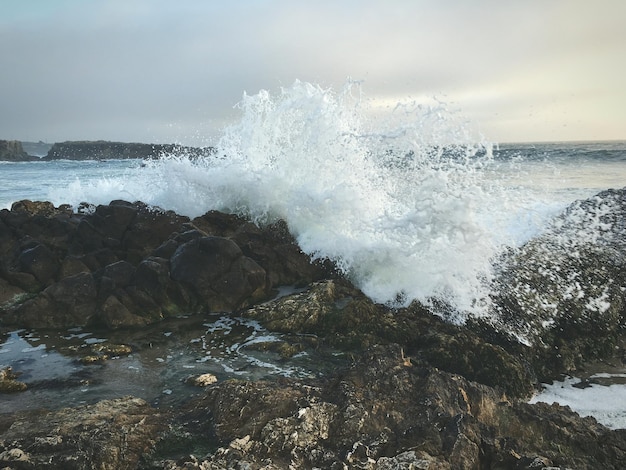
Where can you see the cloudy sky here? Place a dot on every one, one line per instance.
(165, 71)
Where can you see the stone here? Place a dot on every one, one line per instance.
(381, 414)
(346, 318)
(40, 262)
(565, 291)
(68, 303)
(202, 380)
(12, 151)
(9, 382)
(111, 434)
(219, 273)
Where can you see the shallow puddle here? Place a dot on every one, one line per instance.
(52, 364)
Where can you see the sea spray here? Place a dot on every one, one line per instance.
(405, 203)
(569, 278)
(399, 203)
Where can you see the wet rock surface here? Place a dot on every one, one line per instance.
(109, 434)
(565, 290)
(409, 389)
(383, 412)
(126, 265)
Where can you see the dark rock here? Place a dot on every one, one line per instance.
(40, 262)
(24, 281)
(127, 247)
(150, 229)
(131, 231)
(67, 303)
(71, 265)
(105, 150)
(272, 247)
(113, 220)
(121, 273)
(418, 393)
(110, 434)
(115, 315)
(219, 273)
(12, 151)
(383, 412)
(9, 294)
(344, 317)
(565, 291)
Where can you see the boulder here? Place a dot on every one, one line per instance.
(271, 246)
(219, 273)
(564, 292)
(40, 262)
(111, 434)
(9, 382)
(68, 303)
(344, 317)
(385, 413)
(12, 151)
(128, 248)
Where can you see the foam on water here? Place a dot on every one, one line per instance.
(407, 204)
(606, 403)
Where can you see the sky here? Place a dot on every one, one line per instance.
(161, 71)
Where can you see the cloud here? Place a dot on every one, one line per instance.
(162, 71)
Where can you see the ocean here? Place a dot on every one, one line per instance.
(411, 204)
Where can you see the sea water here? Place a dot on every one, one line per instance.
(411, 203)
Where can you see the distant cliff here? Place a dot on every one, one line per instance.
(12, 151)
(36, 149)
(105, 150)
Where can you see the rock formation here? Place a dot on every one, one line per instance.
(414, 391)
(12, 151)
(105, 150)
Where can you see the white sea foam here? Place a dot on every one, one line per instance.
(408, 205)
(606, 403)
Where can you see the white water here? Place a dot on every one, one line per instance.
(374, 193)
(606, 403)
(403, 219)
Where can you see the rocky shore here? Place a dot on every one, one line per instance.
(105, 150)
(13, 151)
(412, 390)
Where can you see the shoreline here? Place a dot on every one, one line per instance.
(128, 270)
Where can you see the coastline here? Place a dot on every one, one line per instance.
(121, 268)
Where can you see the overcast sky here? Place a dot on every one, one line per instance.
(165, 71)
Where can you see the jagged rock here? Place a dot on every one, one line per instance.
(69, 302)
(565, 291)
(10, 294)
(344, 317)
(28, 207)
(106, 150)
(127, 247)
(9, 383)
(219, 273)
(273, 247)
(110, 434)
(12, 151)
(382, 412)
(40, 262)
(419, 393)
(202, 380)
